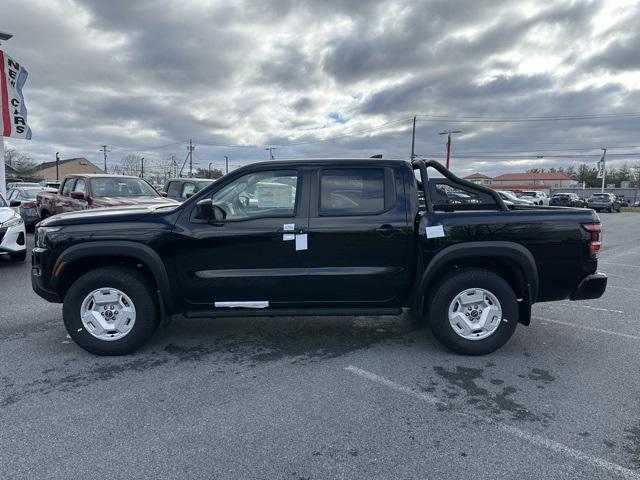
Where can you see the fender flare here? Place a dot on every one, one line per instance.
(122, 248)
(514, 253)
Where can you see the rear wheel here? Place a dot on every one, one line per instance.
(473, 311)
(111, 311)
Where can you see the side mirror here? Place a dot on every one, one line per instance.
(207, 210)
(15, 203)
(77, 195)
(189, 195)
(163, 194)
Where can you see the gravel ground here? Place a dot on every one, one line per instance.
(317, 398)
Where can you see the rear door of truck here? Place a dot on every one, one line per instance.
(360, 236)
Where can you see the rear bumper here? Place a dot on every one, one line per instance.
(591, 286)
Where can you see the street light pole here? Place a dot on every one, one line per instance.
(448, 134)
(209, 176)
(57, 163)
(226, 159)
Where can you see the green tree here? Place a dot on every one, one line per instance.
(204, 173)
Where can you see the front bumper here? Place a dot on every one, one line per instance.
(591, 286)
(38, 277)
(12, 239)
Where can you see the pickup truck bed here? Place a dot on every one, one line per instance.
(337, 237)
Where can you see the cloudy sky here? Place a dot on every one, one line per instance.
(329, 78)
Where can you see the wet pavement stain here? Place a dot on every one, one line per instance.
(233, 353)
(466, 379)
(542, 375)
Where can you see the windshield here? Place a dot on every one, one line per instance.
(122, 187)
(600, 196)
(528, 194)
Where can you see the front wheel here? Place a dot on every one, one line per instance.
(473, 311)
(111, 311)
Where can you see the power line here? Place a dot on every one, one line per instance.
(471, 119)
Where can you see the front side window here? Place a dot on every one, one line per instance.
(80, 186)
(173, 190)
(68, 183)
(352, 191)
(260, 194)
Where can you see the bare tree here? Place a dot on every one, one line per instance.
(130, 164)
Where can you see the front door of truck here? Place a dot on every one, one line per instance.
(251, 255)
(359, 237)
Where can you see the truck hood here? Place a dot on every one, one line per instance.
(119, 201)
(128, 213)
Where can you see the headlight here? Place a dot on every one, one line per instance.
(41, 235)
(13, 222)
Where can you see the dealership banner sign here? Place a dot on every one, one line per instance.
(13, 113)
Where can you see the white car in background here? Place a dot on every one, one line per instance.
(510, 199)
(537, 198)
(13, 238)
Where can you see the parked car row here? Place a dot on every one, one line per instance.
(23, 200)
(80, 192)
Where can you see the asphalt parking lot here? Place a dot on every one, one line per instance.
(317, 398)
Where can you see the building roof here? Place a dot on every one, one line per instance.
(44, 165)
(477, 176)
(533, 176)
(520, 186)
(10, 169)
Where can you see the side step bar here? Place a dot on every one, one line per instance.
(290, 312)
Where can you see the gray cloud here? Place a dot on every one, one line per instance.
(138, 75)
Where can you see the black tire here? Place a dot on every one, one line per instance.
(453, 284)
(136, 286)
(19, 256)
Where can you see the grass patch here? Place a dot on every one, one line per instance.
(631, 209)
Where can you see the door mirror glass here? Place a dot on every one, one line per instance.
(14, 203)
(77, 195)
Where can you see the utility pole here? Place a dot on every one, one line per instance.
(142, 167)
(226, 159)
(448, 134)
(190, 148)
(602, 168)
(209, 176)
(174, 166)
(270, 150)
(57, 163)
(104, 151)
(413, 140)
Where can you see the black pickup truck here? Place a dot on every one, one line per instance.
(318, 237)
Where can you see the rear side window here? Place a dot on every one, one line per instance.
(188, 189)
(173, 191)
(355, 191)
